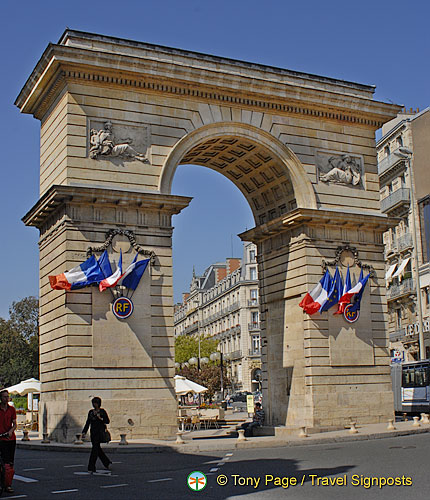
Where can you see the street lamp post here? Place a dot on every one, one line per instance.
(407, 155)
(217, 356)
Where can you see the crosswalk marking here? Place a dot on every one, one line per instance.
(158, 480)
(114, 485)
(25, 479)
(64, 491)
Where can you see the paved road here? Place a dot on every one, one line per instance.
(163, 475)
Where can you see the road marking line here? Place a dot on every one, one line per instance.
(114, 485)
(229, 454)
(18, 496)
(117, 462)
(64, 491)
(214, 469)
(221, 463)
(25, 479)
(159, 480)
(77, 465)
(35, 468)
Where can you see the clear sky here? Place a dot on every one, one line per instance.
(380, 42)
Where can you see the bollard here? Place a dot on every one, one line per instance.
(179, 439)
(405, 417)
(390, 426)
(416, 422)
(78, 439)
(425, 418)
(45, 438)
(302, 433)
(241, 435)
(353, 429)
(25, 435)
(123, 440)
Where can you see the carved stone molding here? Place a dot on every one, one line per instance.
(355, 260)
(110, 235)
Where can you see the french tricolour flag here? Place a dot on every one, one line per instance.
(133, 273)
(313, 300)
(355, 290)
(85, 274)
(346, 287)
(113, 279)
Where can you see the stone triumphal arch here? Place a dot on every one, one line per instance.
(117, 118)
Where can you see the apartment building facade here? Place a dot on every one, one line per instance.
(223, 303)
(404, 181)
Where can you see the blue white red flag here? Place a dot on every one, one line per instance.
(346, 287)
(335, 292)
(355, 293)
(313, 300)
(85, 274)
(113, 279)
(134, 273)
(104, 264)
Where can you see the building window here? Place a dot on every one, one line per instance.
(399, 141)
(387, 150)
(398, 318)
(252, 255)
(254, 318)
(254, 294)
(253, 273)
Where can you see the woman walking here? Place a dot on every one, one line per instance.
(97, 421)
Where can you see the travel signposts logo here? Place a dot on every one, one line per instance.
(197, 481)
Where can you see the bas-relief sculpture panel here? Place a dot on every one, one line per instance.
(338, 168)
(118, 142)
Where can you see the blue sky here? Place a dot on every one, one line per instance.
(384, 43)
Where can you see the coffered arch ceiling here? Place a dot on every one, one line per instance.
(267, 173)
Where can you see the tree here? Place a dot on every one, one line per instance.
(19, 342)
(209, 376)
(187, 346)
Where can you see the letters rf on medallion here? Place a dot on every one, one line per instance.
(122, 307)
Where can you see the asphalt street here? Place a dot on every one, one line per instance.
(296, 472)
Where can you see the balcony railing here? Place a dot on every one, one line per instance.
(389, 161)
(255, 325)
(253, 303)
(191, 328)
(396, 200)
(236, 355)
(406, 287)
(255, 352)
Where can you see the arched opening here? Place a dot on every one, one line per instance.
(269, 175)
(273, 182)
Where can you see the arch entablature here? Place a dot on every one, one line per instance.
(267, 172)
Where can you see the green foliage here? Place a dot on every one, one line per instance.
(19, 342)
(187, 346)
(19, 402)
(209, 376)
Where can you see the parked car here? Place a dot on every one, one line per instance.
(239, 396)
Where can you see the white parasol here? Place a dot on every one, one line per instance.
(184, 386)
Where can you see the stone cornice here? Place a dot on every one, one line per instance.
(59, 195)
(250, 89)
(306, 216)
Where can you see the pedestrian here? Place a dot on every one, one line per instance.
(7, 438)
(97, 421)
(257, 420)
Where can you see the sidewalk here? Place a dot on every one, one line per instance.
(217, 440)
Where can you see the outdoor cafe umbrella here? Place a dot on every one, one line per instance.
(184, 386)
(24, 388)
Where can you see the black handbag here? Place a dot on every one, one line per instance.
(106, 437)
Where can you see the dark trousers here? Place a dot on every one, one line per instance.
(97, 451)
(249, 428)
(7, 451)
